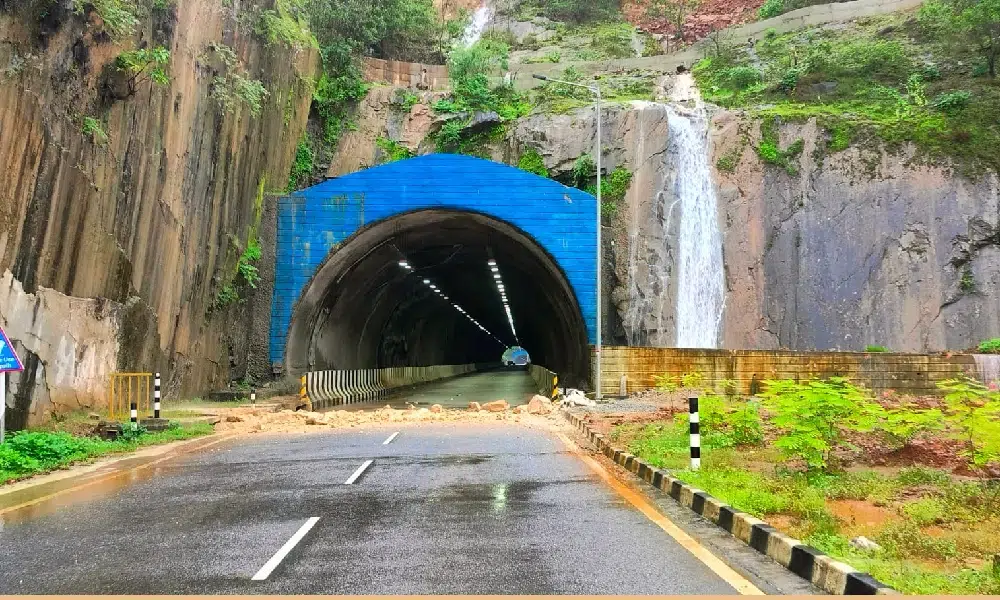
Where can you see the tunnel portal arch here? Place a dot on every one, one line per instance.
(342, 299)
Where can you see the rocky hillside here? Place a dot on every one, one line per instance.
(139, 141)
(857, 203)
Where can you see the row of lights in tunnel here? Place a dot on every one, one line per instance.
(503, 296)
(434, 288)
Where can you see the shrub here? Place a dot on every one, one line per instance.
(923, 476)
(119, 16)
(741, 77)
(925, 511)
(876, 349)
(245, 267)
(15, 462)
(393, 150)
(951, 102)
(585, 169)
(532, 162)
(93, 129)
(146, 64)
(51, 448)
(771, 8)
(991, 346)
(975, 411)
(814, 415)
(905, 540)
(746, 425)
(905, 423)
(302, 166)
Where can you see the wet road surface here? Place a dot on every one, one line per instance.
(514, 386)
(445, 508)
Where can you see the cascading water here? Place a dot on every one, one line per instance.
(480, 19)
(988, 366)
(700, 280)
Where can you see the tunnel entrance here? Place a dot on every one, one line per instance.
(432, 287)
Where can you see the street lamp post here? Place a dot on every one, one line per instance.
(596, 91)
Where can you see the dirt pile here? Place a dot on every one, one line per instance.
(266, 420)
(708, 16)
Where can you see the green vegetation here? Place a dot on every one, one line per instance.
(302, 166)
(813, 417)
(532, 162)
(613, 190)
(937, 533)
(146, 64)
(29, 453)
(234, 88)
(876, 82)
(120, 17)
(94, 129)
(968, 281)
(393, 150)
(876, 349)
(246, 267)
(573, 11)
(991, 346)
(287, 23)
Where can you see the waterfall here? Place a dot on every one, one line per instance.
(476, 27)
(700, 279)
(988, 366)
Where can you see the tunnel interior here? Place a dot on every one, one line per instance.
(371, 303)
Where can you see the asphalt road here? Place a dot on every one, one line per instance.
(513, 385)
(447, 508)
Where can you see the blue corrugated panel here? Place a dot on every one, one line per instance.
(559, 218)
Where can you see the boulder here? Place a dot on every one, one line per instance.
(437, 408)
(233, 419)
(313, 421)
(94, 417)
(496, 406)
(863, 543)
(520, 409)
(539, 406)
(474, 406)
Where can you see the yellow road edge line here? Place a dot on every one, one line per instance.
(108, 476)
(740, 583)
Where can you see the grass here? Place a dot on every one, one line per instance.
(879, 82)
(937, 536)
(29, 453)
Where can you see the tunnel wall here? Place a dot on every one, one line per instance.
(314, 221)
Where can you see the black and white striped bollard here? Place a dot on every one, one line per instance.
(253, 396)
(695, 433)
(134, 413)
(156, 397)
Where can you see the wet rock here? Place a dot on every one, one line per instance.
(863, 543)
(474, 406)
(496, 406)
(437, 408)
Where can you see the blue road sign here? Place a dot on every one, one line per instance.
(8, 358)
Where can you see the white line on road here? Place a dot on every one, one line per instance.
(270, 565)
(358, 473)
(391, 437)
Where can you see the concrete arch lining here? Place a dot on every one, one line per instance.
(362, 310)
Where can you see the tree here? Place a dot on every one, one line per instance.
(144, 64)
(674, 11)
(972, 22)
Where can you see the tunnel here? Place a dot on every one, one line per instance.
(421, 288)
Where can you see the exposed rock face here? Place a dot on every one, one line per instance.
(861, 249)
(114, 249)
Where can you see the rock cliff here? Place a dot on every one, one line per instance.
(125, 206)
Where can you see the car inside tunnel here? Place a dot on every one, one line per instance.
(429, 287)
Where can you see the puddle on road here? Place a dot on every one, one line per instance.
(37, 501)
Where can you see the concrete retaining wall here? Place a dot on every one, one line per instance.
(405, 74)
(332, 388)
(905, 373)
(545, 380)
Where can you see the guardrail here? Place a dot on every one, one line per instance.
(334, 388)
(546, 381)
(128, 392)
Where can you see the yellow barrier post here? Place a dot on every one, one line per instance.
(128, 393)
(304, 396)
